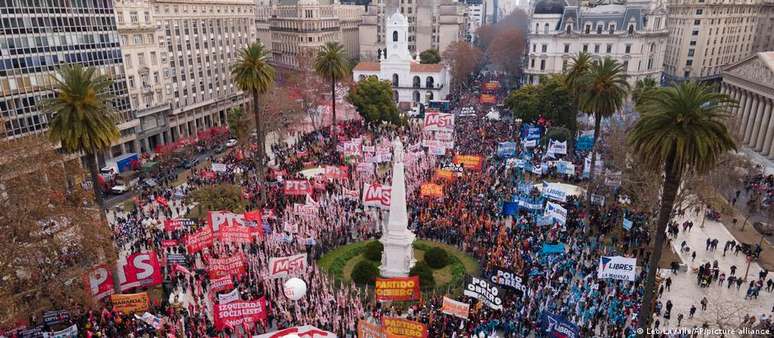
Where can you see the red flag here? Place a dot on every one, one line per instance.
(162, 201)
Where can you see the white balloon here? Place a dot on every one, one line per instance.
(295, 288)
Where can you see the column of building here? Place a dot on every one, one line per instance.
(755, 114)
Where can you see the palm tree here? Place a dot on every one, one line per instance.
(643, 87)
(574, 82)
(253, 74)
(681, 130)
(606, 89)
(331, 63)
(82, 118)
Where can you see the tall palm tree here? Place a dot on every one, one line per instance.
(681, 130)
(253, 74)
(643, 87)
(574, 81)
(331, 63)
(606, 90)
(82, 118)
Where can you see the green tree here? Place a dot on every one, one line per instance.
(253, 74)
(83, 118)
(226, 197)
(525, 103)
(430, 56)
(556, 101)
(606, 90)
(574, 81)
(681, 130)
(425, 273)
(238, 123)
(643, 87)
(373, 99)
(365, 272)
(332, 64)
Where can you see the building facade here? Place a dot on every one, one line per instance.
(751, 83)
(707, 35)
(35, 41)
(475, 14)
(412, 82)
(201, 41)
(290, 27)
(140, 40)
(634, 35)
(763, 40)
(433, 24)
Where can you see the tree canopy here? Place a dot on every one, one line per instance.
(430, 56)
(549, 99)
(373, 99)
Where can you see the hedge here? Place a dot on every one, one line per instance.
(365, 272)
(373, 251)
(436, 258)
(426, 279)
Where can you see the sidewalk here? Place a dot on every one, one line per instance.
(726, 307)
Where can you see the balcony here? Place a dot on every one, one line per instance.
(157, 109)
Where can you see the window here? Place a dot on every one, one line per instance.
(153, 58)
(133, 18)
(141, 59)
(596, 49)
(545, 28)
(542, 64)
(566, 47)
(691, 52)
(585, 48)
(695, 33)
(599, 29)
(532, 63)
(699, 11)
(568, 29)
(687, 74)
(128, 61)
(688, 62)
(625, 66)
(609, 48)
(147, 17)
(120, 16)
(628, 49)
(631, 29)
(395, 78)
(395, 36)
(130, 81)
(588, 29)
(534, 48)
(692, 43)
(544, 48)
(697, 22)
(612, 29)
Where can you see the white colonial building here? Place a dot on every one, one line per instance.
(634, 34)
(413, 82)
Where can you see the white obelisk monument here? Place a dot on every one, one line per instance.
(398, 255)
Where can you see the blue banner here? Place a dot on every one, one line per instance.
(506, 149)
(627, 224)
(533, 204)
(525, 187)
(531, 132)
(584, 142)
(557, 327)
(510, 208)
(552, 248)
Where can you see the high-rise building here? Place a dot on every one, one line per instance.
(634, 35)
(37, 39)
(763, 41)
(475, 14)
(707, 35)
(433, 24)
(144, 62)
(292, 26)
(201, 41)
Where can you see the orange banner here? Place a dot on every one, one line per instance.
(404, 327)
(488, 99)
(431, 190)
(397, 289)
(366, 329)
(455, 308)
(444, 174)
(130, 303)
(473, 162)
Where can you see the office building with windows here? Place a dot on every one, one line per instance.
(37, 37)
(634, 35)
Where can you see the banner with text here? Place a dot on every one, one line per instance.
(240, 312)
(455, 308)
(287, 266)
(397, 289)
(404, 327)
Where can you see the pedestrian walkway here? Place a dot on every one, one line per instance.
(726, 306)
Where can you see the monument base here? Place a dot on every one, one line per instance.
(398, 256)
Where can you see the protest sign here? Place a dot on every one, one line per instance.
(556, 147)
(431, 190)
(297, 188)
(287, 266)
(557, 327)
(51, 318)
(130, 303)
(150, 319)
(510, 209)
(437, 121)
(219, 167)
(472, 162)
(221, 284)
(554, 192)
(229, 297)
(236, 313)
(617, 267)
(69, 332)
(455, 308)
(508, 279)
(377, 195)
(627, 224)
(227, 266)
(138, 270)
(366, 329)
(556, 211)
(397, 289)
(444, 174)
(99, 281)
(404, 327)
(552, 248)
(487, 293)
(506, 149)
(199, 240)
(177, 223)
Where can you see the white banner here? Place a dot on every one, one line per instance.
(306, 331)
(557, 147)
(438, 151)
(150, 319)
(229, 297)
(554, 192)
(556, 211)
(530, 143)
(376, 195)
(617, 267)
(219, 167)
(70, 332)
(437, 121)
(286, 266)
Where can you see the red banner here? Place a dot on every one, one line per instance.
(254, 216)
(177, 223)
(397, 289)
(431, 190)
(199, 240)
(444, 174)
(337, 173)
(99, 281)
(377, 195)
(216, 219)
(404, 327)
(235, 234)
(162, 201)
(488, 99)
(473, 162)
(297, 188)
(229, 266)
(169, 243)
(139, 270)
(289, 265)
(221, 284)
(437, 121)
(240, 312)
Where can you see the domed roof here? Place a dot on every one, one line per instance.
(397, 19)
(549, 7)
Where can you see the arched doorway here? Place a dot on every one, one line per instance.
(430, 82)
(416, 96)
(395, 80)
(417, 82)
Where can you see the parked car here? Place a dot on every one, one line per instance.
(188, 164)
(119, 189)
(231, 143)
